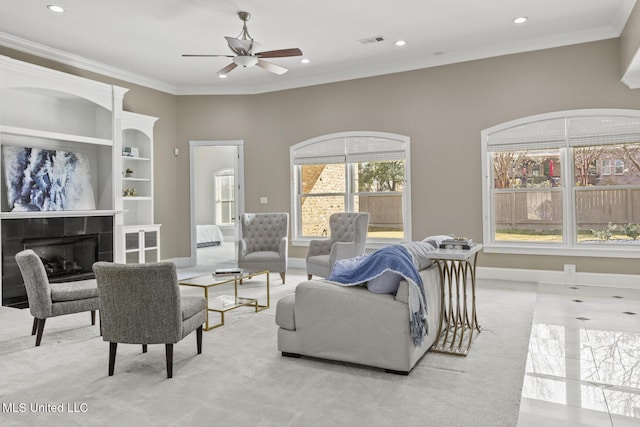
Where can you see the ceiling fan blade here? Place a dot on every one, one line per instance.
(281, 53)
(227, 69)
(205, 56)
(236, 46)
(269, 66)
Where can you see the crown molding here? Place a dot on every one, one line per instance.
(32, 48)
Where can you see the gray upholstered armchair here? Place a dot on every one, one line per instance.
(264, 244)
(53, 299)
(348, 239)
(141, 304)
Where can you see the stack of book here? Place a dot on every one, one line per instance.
(457, 243)
(227, 272)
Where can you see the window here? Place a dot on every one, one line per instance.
(225, 197)
(563, 183)
(351, 172)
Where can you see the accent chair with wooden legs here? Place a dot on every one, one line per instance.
(348, 238)
(141, 304)
(53, 299)
(264, 243)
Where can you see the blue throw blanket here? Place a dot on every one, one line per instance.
(396, 258)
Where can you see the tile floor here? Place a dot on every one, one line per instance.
(583, 366)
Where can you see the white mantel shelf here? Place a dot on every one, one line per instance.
(56, 214)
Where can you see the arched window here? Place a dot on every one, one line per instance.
(224, 197)
(565, 183)
(351, 172)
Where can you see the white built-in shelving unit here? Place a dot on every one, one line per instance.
(141, 234)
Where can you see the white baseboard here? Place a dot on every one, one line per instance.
(298, 263)
(179, 262)
(559, 277)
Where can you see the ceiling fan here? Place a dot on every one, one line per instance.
(245, 55)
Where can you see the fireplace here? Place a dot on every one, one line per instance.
(67, 246)
(66, 258)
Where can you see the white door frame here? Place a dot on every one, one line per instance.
(239, 180)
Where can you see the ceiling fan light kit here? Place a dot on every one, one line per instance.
(243, 48)
(245, 60)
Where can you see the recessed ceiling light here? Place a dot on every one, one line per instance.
(222, 76)
(401, 43)
(55, 8)
(520, 20)
(305, 60)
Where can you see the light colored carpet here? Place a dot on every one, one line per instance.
(240, 379)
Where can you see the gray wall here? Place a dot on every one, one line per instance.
(442, 110)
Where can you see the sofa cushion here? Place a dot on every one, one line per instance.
(386, 283)
(72, 291)
(262, 256)
(319, 260)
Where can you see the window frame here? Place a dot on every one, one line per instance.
(223, 173)
(295, 178)
(570, 246)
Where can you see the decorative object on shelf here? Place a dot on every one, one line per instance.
(47, 180)
(129, 192)
(130, 152)
(128, 173)
(126, 151)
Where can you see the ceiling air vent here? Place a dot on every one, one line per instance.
(370, 40)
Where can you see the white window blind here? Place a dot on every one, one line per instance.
(602, 130)
(566, 132)
(350, 150)
(540, 135)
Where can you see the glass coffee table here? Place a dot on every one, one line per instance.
(224, 303)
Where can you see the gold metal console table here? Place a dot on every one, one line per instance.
(458, 318)
(219, 306)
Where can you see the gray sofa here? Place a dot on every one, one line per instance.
(352, 324)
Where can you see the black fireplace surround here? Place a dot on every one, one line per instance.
(68, 247)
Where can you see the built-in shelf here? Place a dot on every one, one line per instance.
(136, 179)
(56, 136)
(135, 158)
(134, 198)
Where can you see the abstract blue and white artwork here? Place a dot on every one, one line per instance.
(47, 180)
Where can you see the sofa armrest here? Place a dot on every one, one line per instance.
(403, 292)
(403, 288)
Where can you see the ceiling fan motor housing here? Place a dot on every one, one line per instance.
(245, 60)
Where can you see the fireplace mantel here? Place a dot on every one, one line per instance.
(56, 214)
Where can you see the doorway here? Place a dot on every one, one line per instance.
(217, 200)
